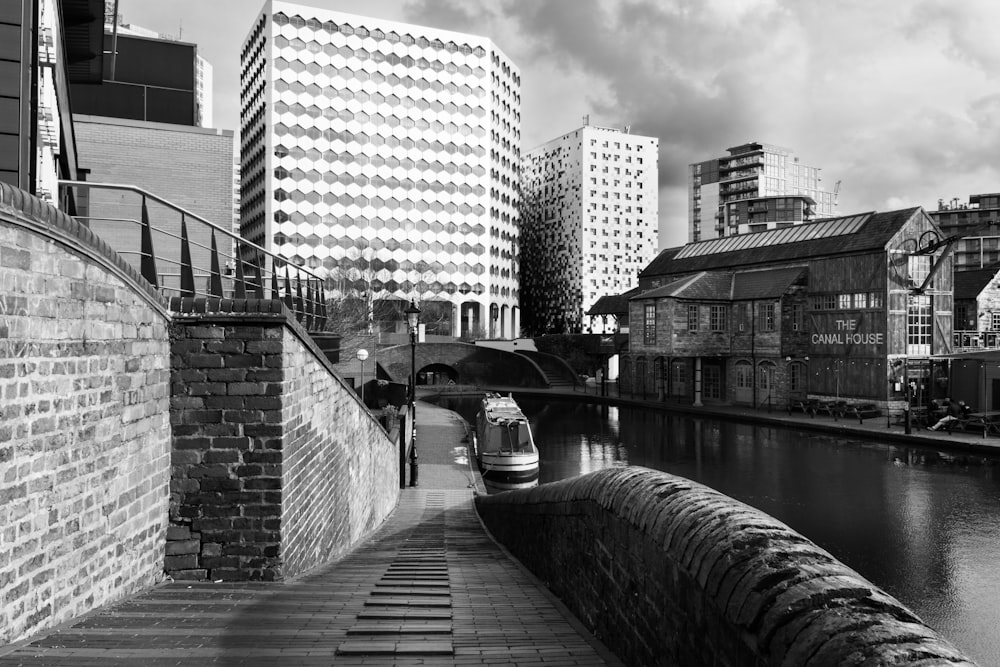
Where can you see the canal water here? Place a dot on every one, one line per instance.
(921, 524)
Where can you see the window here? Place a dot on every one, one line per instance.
(717, 318)
(765, 375)
(711, 386)
(875, 300)
(744, 375)
(797, 377)
(678, 378)
(995, 321)
(798, 317)
(692, 317)
(824, 302)
(844, 301)
(767, 319)
(861, 300)
(649, 324)
(919, 268)
(918, 325)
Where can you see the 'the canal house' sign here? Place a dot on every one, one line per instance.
(843, 334)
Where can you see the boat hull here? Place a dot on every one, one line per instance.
(513, 469)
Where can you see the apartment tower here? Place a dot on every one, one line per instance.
(384, 156)
(978, 223)
(589, 224)
(754, 188)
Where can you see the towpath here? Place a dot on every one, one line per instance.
(429, 588)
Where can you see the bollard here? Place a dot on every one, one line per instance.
(413, 466)
(906, 419)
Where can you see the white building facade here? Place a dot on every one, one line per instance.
(589, 224)
(384, 156)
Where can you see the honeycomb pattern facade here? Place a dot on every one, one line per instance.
(384, 157)
(589, 224)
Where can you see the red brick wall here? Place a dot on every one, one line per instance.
(84, 430)
(190, 167)
(277, 467)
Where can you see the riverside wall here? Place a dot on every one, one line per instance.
(669, 572)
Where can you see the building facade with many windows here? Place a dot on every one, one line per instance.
(589, 224)
(978, 223)
(754, 188)
(842, 309)
(384, 156)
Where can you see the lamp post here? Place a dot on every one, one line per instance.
(412, 321)
(362, 355)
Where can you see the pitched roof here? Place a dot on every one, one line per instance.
(968, 284)
(613, 304)
(729, 285)
(767, 284)
(823, 238)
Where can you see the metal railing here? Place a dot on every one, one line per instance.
(178, 252)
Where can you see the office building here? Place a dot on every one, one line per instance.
(978, 222)
(385, 156)
(45, 46)
(755, 188)
(589, 224)
(141, 125)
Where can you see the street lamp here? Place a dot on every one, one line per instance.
(412, 322)
(362, 355)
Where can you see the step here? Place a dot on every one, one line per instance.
(389, 647)
(407, 602)
(408, 614)
(401, 629)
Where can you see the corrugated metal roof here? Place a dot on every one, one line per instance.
(836, 236)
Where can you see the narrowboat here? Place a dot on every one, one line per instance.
(505, 450)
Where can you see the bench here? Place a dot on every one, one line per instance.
(805, 406)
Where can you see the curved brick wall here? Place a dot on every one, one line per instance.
(84, 421)
(667, 571)
(277, 466)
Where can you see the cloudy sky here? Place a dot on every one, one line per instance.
(898, 99)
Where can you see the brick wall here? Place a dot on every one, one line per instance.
(84, 430)
(277, 467)
(667, 571)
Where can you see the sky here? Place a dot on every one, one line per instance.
(897, 99)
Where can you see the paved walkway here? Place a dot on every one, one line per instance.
(430, 588)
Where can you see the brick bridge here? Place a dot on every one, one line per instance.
(211, 438)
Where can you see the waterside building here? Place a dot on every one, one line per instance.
(843, 309)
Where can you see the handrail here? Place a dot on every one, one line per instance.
(250, 270)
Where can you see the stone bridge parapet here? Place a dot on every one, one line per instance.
(669, 572)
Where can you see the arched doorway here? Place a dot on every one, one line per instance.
(765, 383)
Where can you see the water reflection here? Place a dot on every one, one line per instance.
(923, 525)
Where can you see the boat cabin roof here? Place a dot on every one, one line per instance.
(502, 407)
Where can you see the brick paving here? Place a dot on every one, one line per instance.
(429, 588)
